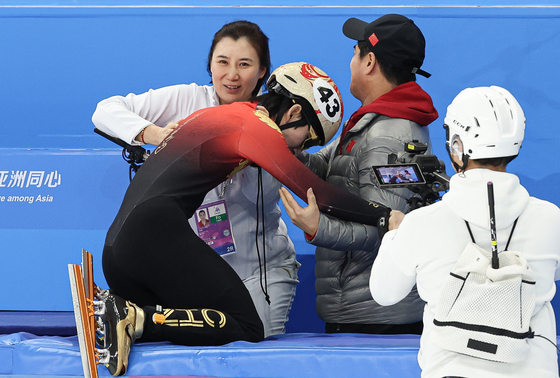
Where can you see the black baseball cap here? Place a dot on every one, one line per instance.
(394, 38)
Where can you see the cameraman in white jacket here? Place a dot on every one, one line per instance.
(485, 128)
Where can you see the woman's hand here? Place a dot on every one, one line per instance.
(153, 134)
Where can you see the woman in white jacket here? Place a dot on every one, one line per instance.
(239, 64)
(485, 129)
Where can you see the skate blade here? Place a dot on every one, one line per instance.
(87, 276)
(83, 315)
(87, 273)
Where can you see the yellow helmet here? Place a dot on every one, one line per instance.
(315, 91)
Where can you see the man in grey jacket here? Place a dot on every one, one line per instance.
(394, 111)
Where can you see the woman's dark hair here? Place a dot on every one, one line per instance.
(394, 75)
(255, 36)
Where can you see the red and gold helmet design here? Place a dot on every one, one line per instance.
(315, 91)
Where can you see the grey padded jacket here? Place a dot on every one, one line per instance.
(346, 250)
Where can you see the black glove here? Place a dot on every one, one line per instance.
(383, 224)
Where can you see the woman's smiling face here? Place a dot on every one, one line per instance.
(235, 70)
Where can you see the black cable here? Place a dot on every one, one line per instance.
(550, 341)
(260, 219)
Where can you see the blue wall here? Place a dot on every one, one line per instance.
(60, 58)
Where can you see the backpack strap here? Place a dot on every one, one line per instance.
(470, 232)
(510, 235)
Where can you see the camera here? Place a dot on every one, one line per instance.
(420, 173)
(133, 155)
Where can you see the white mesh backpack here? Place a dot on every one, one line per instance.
(483, 310)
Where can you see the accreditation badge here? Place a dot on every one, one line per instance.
(214, 228)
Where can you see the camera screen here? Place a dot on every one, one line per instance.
(395, 175)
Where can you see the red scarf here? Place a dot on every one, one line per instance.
(407, 101)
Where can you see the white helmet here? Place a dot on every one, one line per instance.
(316, 92)
(487, 121)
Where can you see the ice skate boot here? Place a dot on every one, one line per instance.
(84, 313)
(122, 324)
(105, 323)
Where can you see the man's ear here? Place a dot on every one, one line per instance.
(294, 111)
(456, 154)
(370, 62)
(457, 146)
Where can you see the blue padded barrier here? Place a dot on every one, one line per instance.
(59, 323)
(291, 355)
